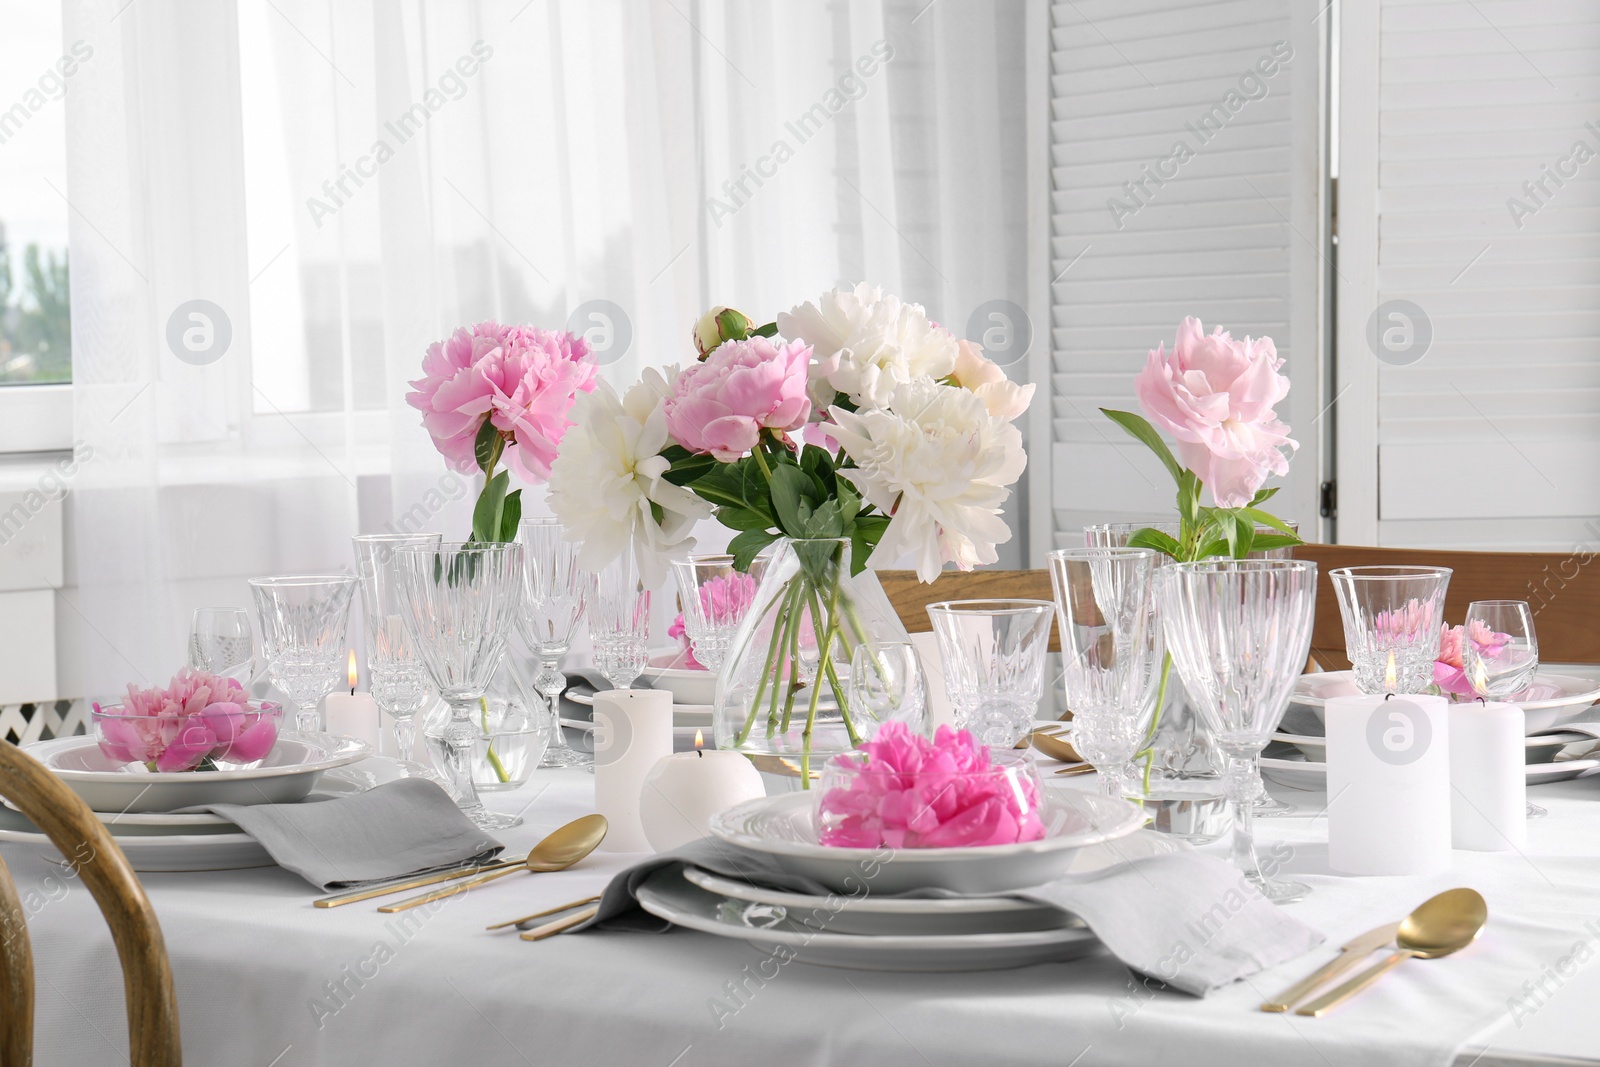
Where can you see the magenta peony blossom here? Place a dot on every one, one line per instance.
(1215, 396)
(1449, 668)
(523, 379)
(910, 792)
(721, 406)
(197, 717)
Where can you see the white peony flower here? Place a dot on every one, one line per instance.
(866, 342)
(608, 472)
(974, 371)
(936, 461)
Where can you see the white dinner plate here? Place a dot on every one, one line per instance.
(1306, 774)
(874, 914)
(783, 827)
(1578, 692)
(1541, 748)
(688, 685)
(667, 895)
(288, 773)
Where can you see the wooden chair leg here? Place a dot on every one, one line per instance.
(16, 977)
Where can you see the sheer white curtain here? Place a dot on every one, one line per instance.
(344, 183)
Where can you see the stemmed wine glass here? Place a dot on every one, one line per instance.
(219, 640)
(555, 593)
(459, 600)
(1500, 654)
(399, 680)
(303, 620)
(1111, 662)
(619, 621)
(886, 681)
(715, 599)
(1239, 632)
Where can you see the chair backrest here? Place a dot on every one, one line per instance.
(1562, 589)
(153, 1037)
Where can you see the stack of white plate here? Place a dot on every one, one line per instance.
(862, 924)
(139, 807)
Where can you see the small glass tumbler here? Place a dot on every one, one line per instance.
(619, 622)
(715, 599)
(1392, 617)
(993, 653)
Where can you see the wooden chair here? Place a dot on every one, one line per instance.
(153, 1037)
(1562, 589)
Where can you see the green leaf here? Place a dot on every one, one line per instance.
(790, 487)
(491, 503)
(1267, 542)
(1245, 537)
(864, 537)
(849, 500)
(1264, 495)
(769, 330)
(488, 446)
(690, 467)
(825, 521)
(1266, 519)
(511, 515)
(742, 519)
(1163, 543)
(1208, 549)
(1141, 430)
(747, 546)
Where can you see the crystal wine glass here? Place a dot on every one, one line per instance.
(619, 622)
(715, 599)
(303, 620)
(1500, 654)
(886, 681)
(1111, 663)
(555, 593)
(993, 653)
(459, 600)
(1239, 632)
(219, 640)
(399, 680)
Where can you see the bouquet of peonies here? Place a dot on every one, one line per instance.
(196, 721)
(853, 417)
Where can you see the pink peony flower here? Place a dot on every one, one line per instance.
(910, 792)
(195, 717)
(1449, 669)
(977, 373)
(523, 379)
(721, 406)
(1215, 396)
(680, 633)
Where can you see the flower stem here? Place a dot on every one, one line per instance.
(1149, 752)
(494, 760)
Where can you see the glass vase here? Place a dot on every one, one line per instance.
(785, 685)
(512, 732)
(1178, 774)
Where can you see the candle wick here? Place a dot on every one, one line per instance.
(1388, 696)
(700, 752)
(352, 690)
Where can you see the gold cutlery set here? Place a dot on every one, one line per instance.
(1049, 741)
(564, 847)
(1440, 925)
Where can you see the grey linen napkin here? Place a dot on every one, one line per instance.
(1187, 919)
(406, 827)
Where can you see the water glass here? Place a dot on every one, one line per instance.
(555, 594)
(1111, 654)
(1239, 632)
(219, 640)
(1392, 617)
(886, 681)
(1499, 649)
(459, 600)
(399, 680)
(993, 652)
(619, 622)
(303, 620)
(715, 599)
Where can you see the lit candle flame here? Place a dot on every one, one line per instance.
(352, 671)
(699, 740)
(1480, 679)
(1391, 680)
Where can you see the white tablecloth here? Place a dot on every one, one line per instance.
(265, 979)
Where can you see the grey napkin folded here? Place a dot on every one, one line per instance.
(1187, 919)
(400, 828)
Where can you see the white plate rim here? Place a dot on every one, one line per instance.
(867, 905)
(1545, 740)
(1065, 935)
(1310, 700)
(730, 826)
(344, 750)
(1535, 771)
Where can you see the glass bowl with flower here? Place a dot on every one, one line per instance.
(198, 722)
(902, 790)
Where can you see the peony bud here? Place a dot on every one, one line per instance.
(718, 325)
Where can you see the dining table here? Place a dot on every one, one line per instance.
(265, 979)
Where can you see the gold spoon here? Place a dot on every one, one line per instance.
(1440, 925)
(1057, 748)
(565, 846)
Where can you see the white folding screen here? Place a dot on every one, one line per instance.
(1186, 143)
(1469, 281)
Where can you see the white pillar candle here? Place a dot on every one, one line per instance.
(683, 790)
(633, 730)
(355, 715)
(1488, 777)
(1388, 784)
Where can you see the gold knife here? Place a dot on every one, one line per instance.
(413, 883)
(1351, 953)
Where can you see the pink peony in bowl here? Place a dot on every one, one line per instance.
(198, 722)
(901, 790)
